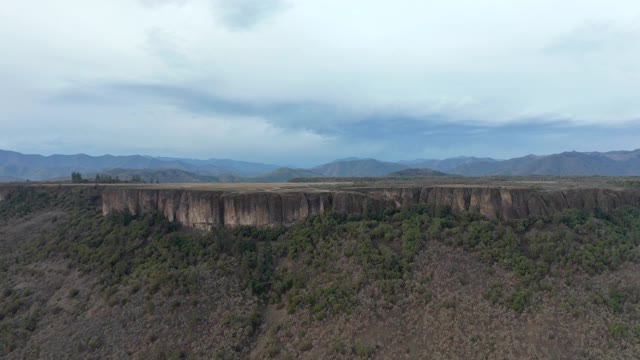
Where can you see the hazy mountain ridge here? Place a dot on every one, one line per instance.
(363, 167)
(445, 164)
(242, 168)
(416, 173)
(159, 175)
(15, 166)
(567, 163)
(38, 167)
(285, 174)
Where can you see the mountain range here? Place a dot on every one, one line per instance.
(419, 172)
(358, 167)
(615, 163)
(445, 165)
(16, 166)
(283, 174)
(37, 167)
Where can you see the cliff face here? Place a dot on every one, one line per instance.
(209, 209)
(512, 203)
(206, 209)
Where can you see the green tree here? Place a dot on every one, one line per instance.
(76, 177)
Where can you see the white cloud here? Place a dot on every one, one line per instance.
(244, 14)
(158, 130)
(486, 62)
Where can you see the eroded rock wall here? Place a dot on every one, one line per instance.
(207, 209)
(511, 203)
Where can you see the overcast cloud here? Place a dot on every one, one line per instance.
(301, 82)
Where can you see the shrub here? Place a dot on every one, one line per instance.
(619, 330)
(412, 238)
(616, 300)
(494, 293)
(362, 351)
(306, 346)
(520, 299)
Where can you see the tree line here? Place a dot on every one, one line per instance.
(77, 178)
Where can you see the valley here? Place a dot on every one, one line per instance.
(373, 270)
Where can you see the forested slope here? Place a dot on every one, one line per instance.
(419, 282)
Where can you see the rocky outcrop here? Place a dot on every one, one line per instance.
(511, 203)
(206, 210)
(209, 209)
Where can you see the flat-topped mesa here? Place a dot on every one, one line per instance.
(209, 209)
(203, 209)
(511, 203)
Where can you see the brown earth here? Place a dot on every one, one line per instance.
(440, 311)
(442, 314)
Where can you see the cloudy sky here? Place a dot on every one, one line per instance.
(302, 82)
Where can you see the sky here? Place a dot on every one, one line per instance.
(302, 82)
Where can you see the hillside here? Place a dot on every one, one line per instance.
(413, 283)
(38, 167)
(284, 174)
(564, 164)
(356, 168)
(180, 176)
(20, 167)
(416, 173)
(622, 155)
(241, 168)
(159, 175)
(446, 164)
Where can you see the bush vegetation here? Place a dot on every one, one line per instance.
(300, 266)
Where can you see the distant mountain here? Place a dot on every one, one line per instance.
(284, 174)
(180, 176)
(446, 164)
(38, 167)
(242, 168)
(618, 163)
(4, 179)
(622, 155)
(159, 175)
(230, 178)
(358, 168)
(416, 173)
(15, 166)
